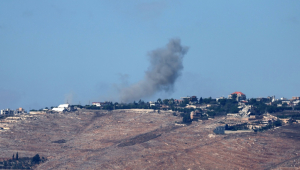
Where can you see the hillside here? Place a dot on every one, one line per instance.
(145, 140)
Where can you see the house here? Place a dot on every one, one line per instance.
(20, 111)
(239, 96)
(192, 99)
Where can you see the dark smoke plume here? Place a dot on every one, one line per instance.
(165, 67)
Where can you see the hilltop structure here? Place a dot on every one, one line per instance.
(61, 108)
(239, 96)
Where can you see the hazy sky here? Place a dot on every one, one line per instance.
(54, 51)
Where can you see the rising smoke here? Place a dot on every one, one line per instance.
(165, 67)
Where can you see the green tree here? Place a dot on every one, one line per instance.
(200, 100)
(186, 118)
(141, 102)
(171, 101)
(277, 123)
(207, 100)
(159, 101)
(252, 101)
(184, 102)
(166, 101)
(36, 159)
(234, 109)
(222, 101)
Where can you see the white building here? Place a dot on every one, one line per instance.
(61, 108)
(296, 102)
(7, 112)
(285, 101)
(153, 104)
(99, 104)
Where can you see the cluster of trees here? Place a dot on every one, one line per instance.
(260, 107)
(21, 163)
(186, 118)
(135, 105)
(226, 106)
(237, 127)
(269, 126)
(207, 101)
(112, 106)
(17, 156)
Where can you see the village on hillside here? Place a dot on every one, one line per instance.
(222, 127)
(239, 113)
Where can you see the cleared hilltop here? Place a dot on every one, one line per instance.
(143, 139)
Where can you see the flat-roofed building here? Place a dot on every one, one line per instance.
(61, 108)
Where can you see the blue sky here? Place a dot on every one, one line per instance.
(54, 51)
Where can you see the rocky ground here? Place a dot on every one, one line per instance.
(145, 140)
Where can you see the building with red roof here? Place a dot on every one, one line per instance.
(239, 96)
